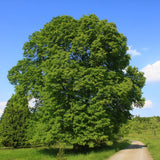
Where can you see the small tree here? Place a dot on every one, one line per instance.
(13, 124)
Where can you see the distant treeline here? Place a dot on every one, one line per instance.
(141, 125)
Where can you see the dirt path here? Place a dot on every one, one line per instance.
(136, 151)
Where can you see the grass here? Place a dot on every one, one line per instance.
(152, 142)
(154, 148)
(51, 153)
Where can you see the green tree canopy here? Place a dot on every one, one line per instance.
(14, 122)
(79, 70)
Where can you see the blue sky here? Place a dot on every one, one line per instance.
(138, 20)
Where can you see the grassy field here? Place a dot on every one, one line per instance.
(51, 153)
(146, 130)
(152, 142)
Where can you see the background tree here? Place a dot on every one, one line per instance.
(76, 69)
(123, 131)
(154, 125)
(13, 124)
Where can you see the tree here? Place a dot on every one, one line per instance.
(123, 131)
(154, 125)
(76, 69)
(13, 124)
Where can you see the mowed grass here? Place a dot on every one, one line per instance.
(24, 154)
(151, 141)
(51, 153)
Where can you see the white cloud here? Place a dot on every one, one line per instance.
(133, 52)
(148, 104)
(2, 106)
(32, 102)
(1, 112)
(152, 72)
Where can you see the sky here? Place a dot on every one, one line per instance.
(138, 20)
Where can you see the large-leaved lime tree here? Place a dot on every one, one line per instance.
(79, 72)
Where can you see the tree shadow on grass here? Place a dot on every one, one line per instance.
(120, 145)
(52, 151)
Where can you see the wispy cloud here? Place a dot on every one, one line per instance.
(145, 49)
(152, 72)
(133, 52)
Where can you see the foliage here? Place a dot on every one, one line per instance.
(14, 122)
(75, 68)
(123, 131)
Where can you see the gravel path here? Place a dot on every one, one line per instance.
(136, 151)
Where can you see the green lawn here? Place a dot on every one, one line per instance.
(154, 147)
(51, 153)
